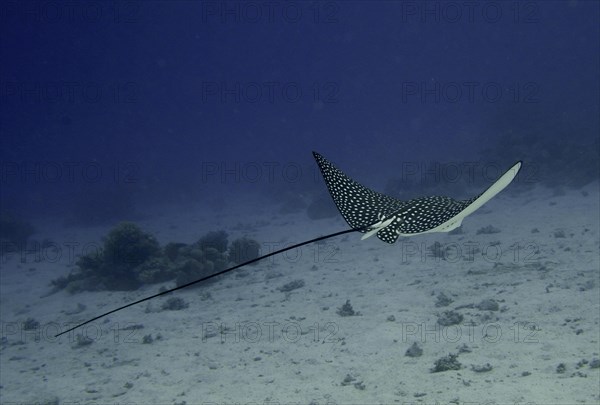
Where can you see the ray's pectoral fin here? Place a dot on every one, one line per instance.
(478, 201)
(372, 213)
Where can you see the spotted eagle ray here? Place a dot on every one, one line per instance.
(371, 213)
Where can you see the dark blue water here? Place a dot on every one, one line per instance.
(172, 101)
(191, 116)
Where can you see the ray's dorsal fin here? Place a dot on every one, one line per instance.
(388, 218)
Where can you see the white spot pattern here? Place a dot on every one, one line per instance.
(365, 210)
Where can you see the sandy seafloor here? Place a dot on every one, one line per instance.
(294, 348)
